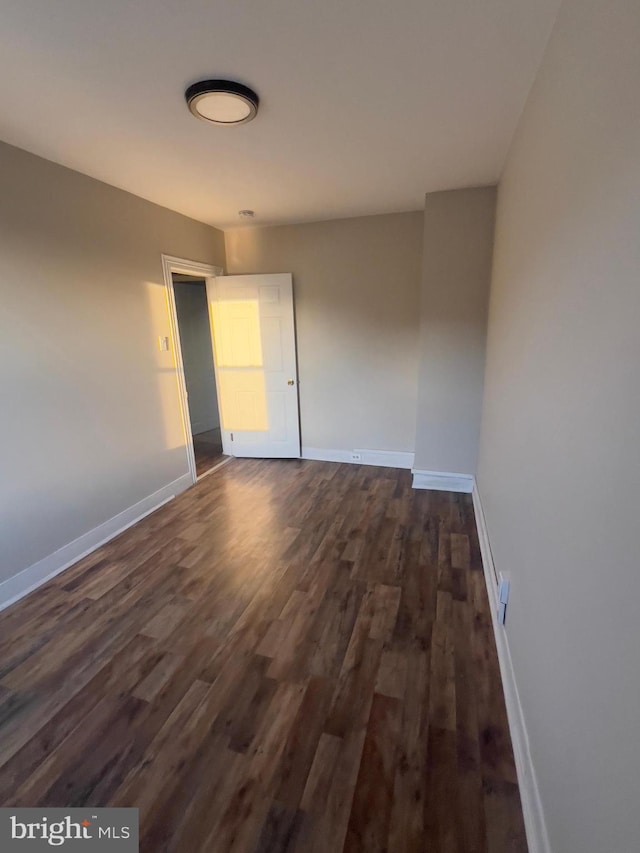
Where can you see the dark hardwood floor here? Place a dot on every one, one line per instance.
(289, 656)
(207, 448)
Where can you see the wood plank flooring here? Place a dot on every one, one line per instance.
(207, 448)
(290, 656)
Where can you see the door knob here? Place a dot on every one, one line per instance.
(291, 382)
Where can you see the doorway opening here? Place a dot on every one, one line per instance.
(192, 314)
(192, 344)
(252, 368)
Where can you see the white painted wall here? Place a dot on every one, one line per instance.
(559, 467)
(357, 303)
(90, 420)
(197, 356)
(456, 273)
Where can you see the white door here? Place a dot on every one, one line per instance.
(256, 370)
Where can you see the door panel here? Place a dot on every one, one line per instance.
(254, 339)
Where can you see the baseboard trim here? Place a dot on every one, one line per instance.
(381, 458)
(16, 587)
(442, 481)
(535, 825)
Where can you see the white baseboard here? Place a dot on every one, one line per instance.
(537, 837)
(16, 587)
(382, 458)
(442, 481)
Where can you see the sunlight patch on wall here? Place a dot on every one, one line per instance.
(164, 366)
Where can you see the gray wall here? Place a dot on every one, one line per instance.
(559, 468)
(90, 422)
(197, 354)
(356, 289)
(456, 272)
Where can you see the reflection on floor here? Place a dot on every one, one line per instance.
(289, 656)
(207, 447)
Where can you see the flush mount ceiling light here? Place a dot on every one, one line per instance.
(246, 213)
(222, 102)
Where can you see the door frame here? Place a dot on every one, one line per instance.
(171, 264)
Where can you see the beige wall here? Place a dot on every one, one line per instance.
(89, 420)
(559, 468)
(456, 272)
(356, 287)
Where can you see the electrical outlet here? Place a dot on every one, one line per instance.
(356, 457)
(503, 597)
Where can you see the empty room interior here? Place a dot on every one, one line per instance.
(319, 426)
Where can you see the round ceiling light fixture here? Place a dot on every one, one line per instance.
(222, 102)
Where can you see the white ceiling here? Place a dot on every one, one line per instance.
(365, 104)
